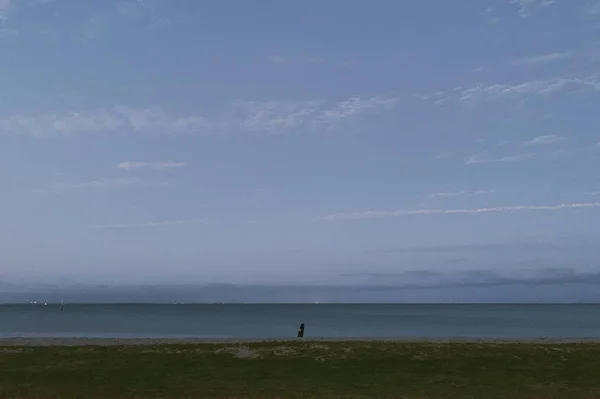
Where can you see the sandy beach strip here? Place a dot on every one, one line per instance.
(4, 342)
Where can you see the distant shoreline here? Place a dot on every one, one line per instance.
(4, 342)
(54, 304)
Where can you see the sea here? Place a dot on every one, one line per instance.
(280, 321)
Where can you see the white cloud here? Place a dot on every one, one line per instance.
(271, 116)
(108, 183)
(482, 192)
(8, 33)
(528, 156)
(526, 7)
(348, 63)
(592, 8)
(140, 119)
(426, 212)
(147, 11)
(298, 61)
(447, 194)
(241, 117)
(100, 184)
(4, 7)
(546, 140)
(356, 105)
(484, 157)
(276, 59)
(142, 225)
(541, 144)
(161, 165)
(460, 193)
(542, 59)
(313, 60)
(497, 92)
(99, 121)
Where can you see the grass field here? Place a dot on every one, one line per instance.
(303, 370)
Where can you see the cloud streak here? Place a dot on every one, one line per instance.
(592, 9)
(460, 193)
(160, 165)
(484, 157)
(141, 225)
(276, 59)
(307, 60)
(484, 93)
(526, 7)
(473, 248)
(424, 279)
(242, 117)
(4, 7)
(543, 59)
(495, 92)
(8, 32)
(99, 184)
(546, 140)
(544, 154)
(429, 212)
(108, 183)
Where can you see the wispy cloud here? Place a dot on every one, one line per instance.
(161, 165)
(348, 63)
(527, 7)
(592, 8)
(40, 2)
(471, 248)
(8, 33)
(355, 106)
(241, 117)
(299, 61)
(460, 193)
(447, 194)
(484, 157)
(427, 212)
(148, 12)
(108, 183)
(547, 139)
(100, 184)
(276, 59)
(424, 279)
(486, 93)
(4, 7)
(279, 117)
(503, 92)
(143, 225)
(547, 147)
(537, 60)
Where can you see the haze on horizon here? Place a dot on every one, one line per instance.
(302, 143)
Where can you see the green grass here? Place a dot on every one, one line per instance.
(303, 370)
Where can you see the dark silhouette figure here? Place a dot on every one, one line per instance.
(301, 331)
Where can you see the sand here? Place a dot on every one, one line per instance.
(4, 342)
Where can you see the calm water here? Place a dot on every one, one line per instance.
(281, 321)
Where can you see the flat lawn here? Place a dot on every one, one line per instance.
(303, 370)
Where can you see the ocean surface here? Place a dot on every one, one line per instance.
(282, 321)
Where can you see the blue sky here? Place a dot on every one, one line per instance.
(298, 142)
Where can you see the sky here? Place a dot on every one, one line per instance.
(288, 142)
